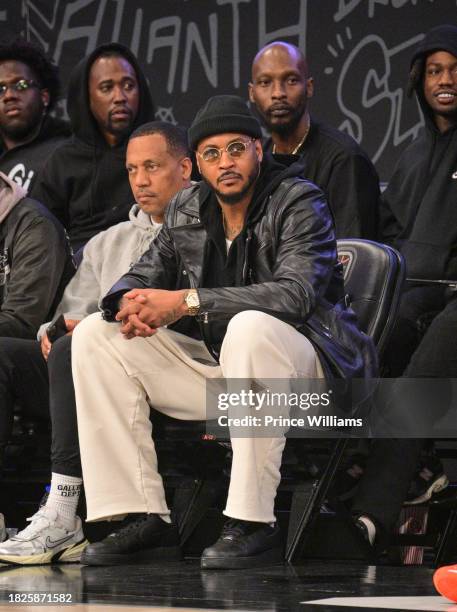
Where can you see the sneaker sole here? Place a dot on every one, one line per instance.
(168, 553)
(438, 486)
(268, 557)
(71, 554)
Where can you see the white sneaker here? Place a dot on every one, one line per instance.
(44, 541)
(2, 528)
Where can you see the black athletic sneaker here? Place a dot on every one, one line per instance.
(429, 479)
(144, 538)
(362, 529)
(244, 544)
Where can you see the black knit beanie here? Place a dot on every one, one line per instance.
(223, 114)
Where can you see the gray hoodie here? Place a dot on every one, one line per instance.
(107, 256)
(10, 194)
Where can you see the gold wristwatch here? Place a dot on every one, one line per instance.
(192, 302)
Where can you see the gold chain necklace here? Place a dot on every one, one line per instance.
(230, 230)
(294, 152)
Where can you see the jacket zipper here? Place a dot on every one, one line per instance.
(202, 320)
(246, 257)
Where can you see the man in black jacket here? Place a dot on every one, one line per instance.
(29, 89)
(419, 217)
(84, 183)
(280, 89)
(243, 274)
(35, 262)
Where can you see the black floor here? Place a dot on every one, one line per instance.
(184, 585)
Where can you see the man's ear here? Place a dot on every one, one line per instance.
(186, 168)
(259, 149)
(45, 97)
(309, 87)
(250, 90)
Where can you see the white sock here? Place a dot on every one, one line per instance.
(64, 497)
(370, 528)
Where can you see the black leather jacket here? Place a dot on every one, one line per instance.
(290, 271)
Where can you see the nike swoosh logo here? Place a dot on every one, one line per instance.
(454, 176)
(53, 543)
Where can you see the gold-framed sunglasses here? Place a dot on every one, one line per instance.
(234, 149)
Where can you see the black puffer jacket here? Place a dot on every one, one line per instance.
(290, 271)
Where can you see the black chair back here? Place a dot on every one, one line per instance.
(374, 275)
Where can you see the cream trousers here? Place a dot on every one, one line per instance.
(116, 380)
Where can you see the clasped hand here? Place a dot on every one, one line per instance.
(142, 311)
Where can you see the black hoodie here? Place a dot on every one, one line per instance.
(24, 163)
(419, 206)
(335, 162)
(85, 183)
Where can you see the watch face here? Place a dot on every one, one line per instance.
(192, 300)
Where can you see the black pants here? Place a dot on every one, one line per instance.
(41, 390)
(392, 463)
(23, 380)
(65, 455)
(417, 305)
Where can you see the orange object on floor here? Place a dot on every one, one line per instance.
(445, 581)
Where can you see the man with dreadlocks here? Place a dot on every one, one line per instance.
(419, 213)
(419, 218)
(29, 89)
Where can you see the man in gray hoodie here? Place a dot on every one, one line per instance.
(158, 166)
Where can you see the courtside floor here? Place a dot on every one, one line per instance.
(312, 585)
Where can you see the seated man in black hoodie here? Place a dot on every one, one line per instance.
(29, 88)
(419, 215)
(84, 183)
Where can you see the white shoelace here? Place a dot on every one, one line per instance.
(39, 521)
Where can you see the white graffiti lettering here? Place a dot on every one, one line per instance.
(19, 175)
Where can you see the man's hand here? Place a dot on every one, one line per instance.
(71, 324)
(144, 310)
(46, 344)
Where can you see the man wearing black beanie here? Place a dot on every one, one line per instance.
(244, 267)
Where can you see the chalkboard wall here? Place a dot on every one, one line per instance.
(358, 51)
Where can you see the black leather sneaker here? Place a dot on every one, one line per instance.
(143, 538)
(244, 544)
